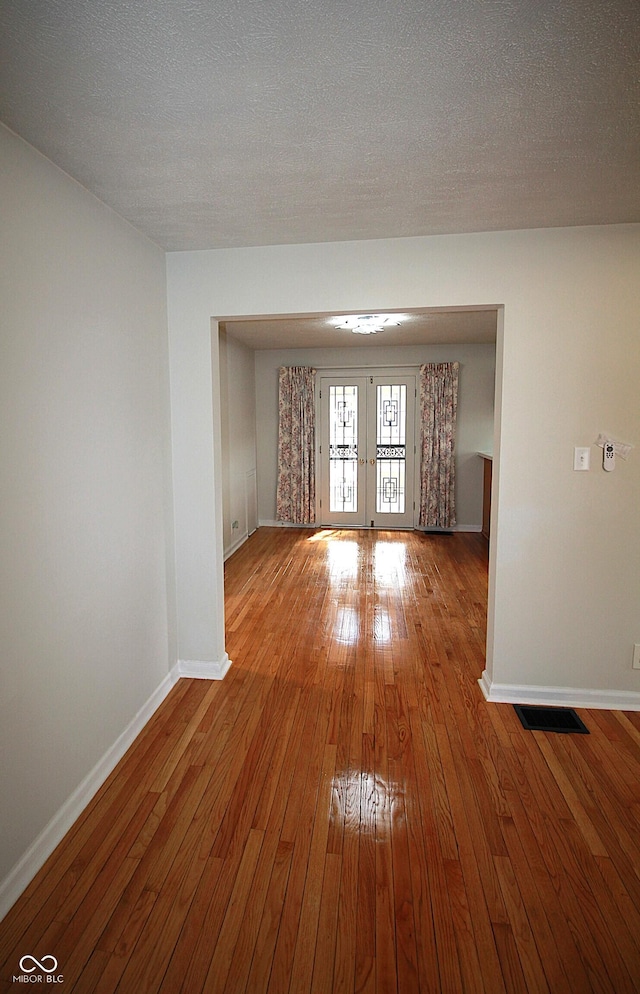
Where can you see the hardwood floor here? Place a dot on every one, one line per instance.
(344, 812)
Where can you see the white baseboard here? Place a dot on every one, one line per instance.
(571, 697)
(448, 531)
(196, 669)
(263, 523)
(235, 546)
(287, 524)
(39, 851)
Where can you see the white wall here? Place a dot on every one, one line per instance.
(85, 599)
(238, 431)
(565, 546)
(475, 410)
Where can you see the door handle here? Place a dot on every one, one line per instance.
(372, 462)
(362, 462)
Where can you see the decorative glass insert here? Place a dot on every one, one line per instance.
(391, 408)
(344, 413)
(391, 452)
(343, 451)
(390, 413)
(343, 448)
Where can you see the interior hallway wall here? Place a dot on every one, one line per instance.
(238, 432)
(86, 587)
(564, 584)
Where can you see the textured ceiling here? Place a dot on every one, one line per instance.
(214, 124)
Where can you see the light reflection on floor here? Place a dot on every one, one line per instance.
(381, 626)
(389, 564)
(347, 626)
(365, 802)
(322, 535)
(389, 573)
(343, 560)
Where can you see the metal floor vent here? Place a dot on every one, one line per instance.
(538, 719)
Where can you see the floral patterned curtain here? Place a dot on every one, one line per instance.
(296, 492)
(438, 409)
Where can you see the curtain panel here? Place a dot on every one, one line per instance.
(438, 411)
(296, 490)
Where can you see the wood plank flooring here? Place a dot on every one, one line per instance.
(344, 812)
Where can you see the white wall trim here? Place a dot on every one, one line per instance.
(235, 546)
(39, 851)
(287, 524)
(574, 697)
(446, 531)
(196, 669)
(264, 523)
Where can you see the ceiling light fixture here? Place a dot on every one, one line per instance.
(367, 324)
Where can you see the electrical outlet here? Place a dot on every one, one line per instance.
(234, 525)
(636, 656)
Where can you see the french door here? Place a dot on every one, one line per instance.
(367, 453)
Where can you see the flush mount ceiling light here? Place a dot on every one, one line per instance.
(366, 324)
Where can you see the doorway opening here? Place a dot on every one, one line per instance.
(261, 343)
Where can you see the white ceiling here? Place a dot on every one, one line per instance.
(220, 123)
(432, 327)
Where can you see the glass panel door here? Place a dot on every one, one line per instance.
(391, 419)
(367, 450)
(391, 447)
(343, 448)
